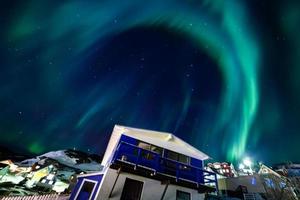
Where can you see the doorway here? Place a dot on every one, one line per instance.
(132, 189)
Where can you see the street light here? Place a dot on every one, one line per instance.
(247, 162)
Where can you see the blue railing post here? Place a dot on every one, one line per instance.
(134, 155)
(138, 157)
(157, 164)
(177, 171)
(198, 176)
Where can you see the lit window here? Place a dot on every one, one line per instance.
(144, 145)
(269, 183)
(282, 185)
(156, 149)
(253, 181)
(150, 147)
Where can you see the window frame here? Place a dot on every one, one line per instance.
(180, 191)
(81, 185)
(150, 147)
(177, 157)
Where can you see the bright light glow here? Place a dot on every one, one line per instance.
(241, 166)
(247, 162)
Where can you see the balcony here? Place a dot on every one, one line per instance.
(155, 165)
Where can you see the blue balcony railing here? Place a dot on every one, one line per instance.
(137, 156)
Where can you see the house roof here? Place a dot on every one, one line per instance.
(266, 170)
(161, 139)
(90, 174)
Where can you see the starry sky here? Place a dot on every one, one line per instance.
(222, 75)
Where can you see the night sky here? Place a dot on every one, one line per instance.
(222, 75)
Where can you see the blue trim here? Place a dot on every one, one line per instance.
(130, 140)
(197, 163)
(193, 161)
(131, 153)
(97, 178)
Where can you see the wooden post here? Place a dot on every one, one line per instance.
(165, 190)
(112, 189)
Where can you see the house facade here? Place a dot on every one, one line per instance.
(144, 164)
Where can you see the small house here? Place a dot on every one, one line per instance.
(144, 164)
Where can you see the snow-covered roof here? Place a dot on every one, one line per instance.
(160, 139)
(267, 170)
(90, 174)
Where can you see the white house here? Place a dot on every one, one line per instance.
(144, 164)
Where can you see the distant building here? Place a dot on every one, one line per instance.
(223, 168)
(144, 164)
(242, 186)
(266, 184)
(292, 172)
(288, 169)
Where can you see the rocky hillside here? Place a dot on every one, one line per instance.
(54, 171)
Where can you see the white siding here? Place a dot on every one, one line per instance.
(253, 183)
(152, 189)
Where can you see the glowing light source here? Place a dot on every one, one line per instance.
(247, 162)
(241, 166)
(245, 166)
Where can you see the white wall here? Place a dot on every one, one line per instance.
(252, 182)
(152, 189)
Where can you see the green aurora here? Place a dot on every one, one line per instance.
(58, 38)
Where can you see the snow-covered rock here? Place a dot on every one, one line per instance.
(54, 171)
(75, 159)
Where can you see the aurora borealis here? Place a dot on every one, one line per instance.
(223, 75)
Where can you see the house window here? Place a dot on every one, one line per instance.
(183, 158)
(156, 149)
(172, 155)
(178, 157)
(269, 183)
(180, 195)
(144, 145)
(150, 147)
(282, 185)
(86, 190)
